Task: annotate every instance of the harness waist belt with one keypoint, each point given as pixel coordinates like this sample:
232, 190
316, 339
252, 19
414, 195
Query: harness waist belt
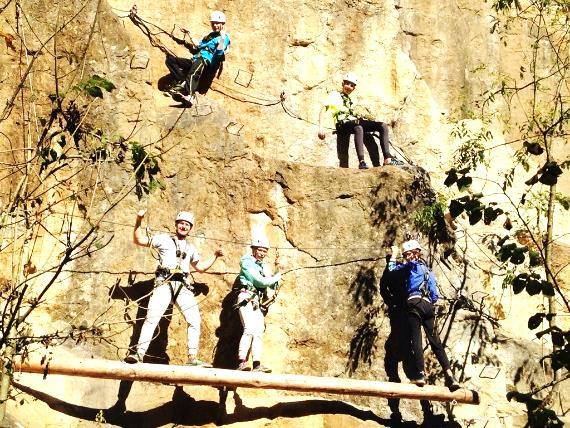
166, 274
419, 297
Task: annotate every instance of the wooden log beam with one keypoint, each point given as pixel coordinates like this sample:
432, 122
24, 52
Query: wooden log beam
185, 375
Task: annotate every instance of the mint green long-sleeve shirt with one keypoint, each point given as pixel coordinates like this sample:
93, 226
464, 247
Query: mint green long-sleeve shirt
252, 273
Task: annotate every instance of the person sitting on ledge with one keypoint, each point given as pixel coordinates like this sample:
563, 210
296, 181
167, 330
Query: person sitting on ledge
348, 122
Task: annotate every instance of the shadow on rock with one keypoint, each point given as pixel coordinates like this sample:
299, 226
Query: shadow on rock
187, 411
229, 332
140, 292
362, 345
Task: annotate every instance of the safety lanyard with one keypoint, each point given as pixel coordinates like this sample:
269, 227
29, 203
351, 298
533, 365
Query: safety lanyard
180, 255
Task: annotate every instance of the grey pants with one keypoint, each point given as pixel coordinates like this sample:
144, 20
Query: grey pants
362, 130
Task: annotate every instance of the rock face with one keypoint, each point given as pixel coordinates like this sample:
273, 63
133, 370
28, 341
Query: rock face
246, 160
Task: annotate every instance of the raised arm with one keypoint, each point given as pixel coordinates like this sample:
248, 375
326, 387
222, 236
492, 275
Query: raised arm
139, 235
202, 266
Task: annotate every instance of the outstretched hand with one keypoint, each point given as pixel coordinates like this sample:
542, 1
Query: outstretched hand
219, 253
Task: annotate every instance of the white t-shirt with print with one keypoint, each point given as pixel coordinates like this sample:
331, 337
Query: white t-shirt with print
167, 246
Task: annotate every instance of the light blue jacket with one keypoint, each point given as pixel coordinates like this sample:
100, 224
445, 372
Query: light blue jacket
208, 48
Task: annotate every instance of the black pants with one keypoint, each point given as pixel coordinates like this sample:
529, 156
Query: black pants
421, 314
178, 67
362, 130
184, 69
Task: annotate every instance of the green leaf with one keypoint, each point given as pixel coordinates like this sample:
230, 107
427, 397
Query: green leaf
533, 148
519, 283
533, 287
534, 258
475, 216
94, 91
101, 82
547, 289
490, 214
532, 180
455, 208
550, 174
535, 320
94, 85
451, 177
464, 182
557, 338
506, 251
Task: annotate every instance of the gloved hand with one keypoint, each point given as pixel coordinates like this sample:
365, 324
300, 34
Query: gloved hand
395, 251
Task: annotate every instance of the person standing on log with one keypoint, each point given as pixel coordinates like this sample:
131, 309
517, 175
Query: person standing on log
255, 278
209, 56
348, 122
421, 290
175, 256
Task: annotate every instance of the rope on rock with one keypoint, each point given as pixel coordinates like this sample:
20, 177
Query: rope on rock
143, 25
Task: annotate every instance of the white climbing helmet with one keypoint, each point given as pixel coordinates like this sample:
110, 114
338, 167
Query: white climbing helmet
217, 16
260, 242
411, 245
185, 216
350, 77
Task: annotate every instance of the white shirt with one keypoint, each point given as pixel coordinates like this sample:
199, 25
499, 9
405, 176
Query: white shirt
167, 246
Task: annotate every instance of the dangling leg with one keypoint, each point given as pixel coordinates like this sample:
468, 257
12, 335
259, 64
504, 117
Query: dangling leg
359, 145
342, 140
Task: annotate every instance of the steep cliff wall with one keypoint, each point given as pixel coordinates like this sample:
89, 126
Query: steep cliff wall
244, 160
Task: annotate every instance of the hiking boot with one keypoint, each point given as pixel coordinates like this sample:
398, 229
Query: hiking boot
195, 362
242, 366
261, 369
451, 383
179, 88
133, 358
189, 100
395, 162
420, 381
362, 165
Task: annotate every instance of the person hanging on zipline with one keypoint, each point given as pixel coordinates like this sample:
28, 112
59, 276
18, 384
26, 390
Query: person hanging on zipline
348, 122
421, 290
255, 280
175, 257
208, 58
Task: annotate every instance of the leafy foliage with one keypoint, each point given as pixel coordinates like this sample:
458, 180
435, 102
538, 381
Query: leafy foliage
95, 85
534, 98
146, 168
426, 218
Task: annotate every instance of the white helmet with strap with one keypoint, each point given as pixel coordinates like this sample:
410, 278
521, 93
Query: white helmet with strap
411, 245
217, 16
350, 77
185, 216
260, 242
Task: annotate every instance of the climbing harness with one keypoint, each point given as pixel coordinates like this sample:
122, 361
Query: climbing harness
175, 275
